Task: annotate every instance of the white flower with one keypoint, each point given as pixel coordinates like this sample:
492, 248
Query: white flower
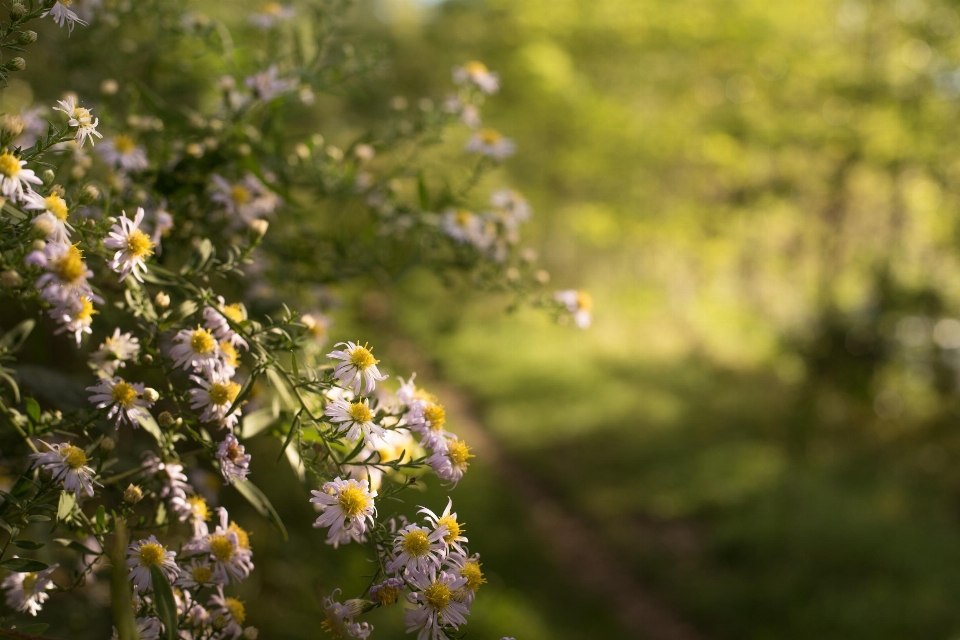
478, 74
162, 224
428, 419
246, 200
339, 620
61, 14
513, 203
67, 465
452, 463
80, 118
578, 303
417, 548
318, 326
358, 369
469, 569
75, 316
172, 476
143, 554
453, 530
34, 125
26, 592
126, 400
346, 504
232, 609
271, 13
123, 154
234, 462
66, 274
231, 560
215, 396
196, 575
193, 508
54, 215
195, 349
354, 419
387, 591
15, 181
266, 85
491, 143
114, 353
469, 113
147, 629
436, 606
133, 246
466, 227
216, 321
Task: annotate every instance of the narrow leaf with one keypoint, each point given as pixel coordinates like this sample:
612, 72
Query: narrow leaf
262, 504
163, 599
23, 565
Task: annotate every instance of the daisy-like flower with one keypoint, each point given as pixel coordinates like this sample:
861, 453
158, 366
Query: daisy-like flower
417, 548
215, 397
452, 463
61, 14
267, 85
469, 568
234, 462
346, 536
358, 369
143, 554
123, 154
216, 321
339, 620
54, 215
246, 200
469, 113
170, 473
114, 353
387, 592
513, 203
478, 74
232, 610
428, 419
132, 244
271, 13
80, 118
355, 419
491, 143
193, 508
231, 561
15, 181
26, 592
162, 224
66, 274
318, 326
453, 534
346, 504
67, 465
75, 316
147, 629
126, 400
195, 349
196, 575
466, 227
579, 304
436, 606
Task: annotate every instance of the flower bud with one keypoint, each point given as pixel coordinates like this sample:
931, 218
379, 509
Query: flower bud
108, 444
28, 37
38, 245
89, 194
147, 359
165, 419
48, 176
133, 494
11, 126
43, 226
220, 622
17, 10
354, 607
109, 87
161, 300
250, 633
16, 64
258, 228
150, 394
10, 279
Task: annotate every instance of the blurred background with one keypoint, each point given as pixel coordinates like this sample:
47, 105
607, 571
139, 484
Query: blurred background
758, 437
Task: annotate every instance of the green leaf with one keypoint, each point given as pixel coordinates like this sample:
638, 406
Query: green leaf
28, 544
120, 589
39, 517
68, 501
101, 517
163, 600
23, 485
23, 565
76, 546
294, 429
33, 409
254, 423
14, 339
261, 503
34, 629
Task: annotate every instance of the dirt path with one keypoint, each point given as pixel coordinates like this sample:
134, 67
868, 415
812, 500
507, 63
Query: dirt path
569, 536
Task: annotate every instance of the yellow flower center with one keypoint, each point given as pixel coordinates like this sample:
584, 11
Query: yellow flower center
360, 412
202, 342
490, 136
387, 595
70, 266
230, 355
352, 501
123, 144
221, 394
151, 553
201, 574
66, 3
453, 528
436, 416
9, 165
82, 116
362, 358
123, 394
139, 244
73, 457
236, 609
233, 311
56, 205
272, 8
29, 582
199, 507
239, 194
459, 453
221, 548
86, 312
243, 538
416, 543
464, 217
584, 301
475, 68
471, 571
437, 595
233, 452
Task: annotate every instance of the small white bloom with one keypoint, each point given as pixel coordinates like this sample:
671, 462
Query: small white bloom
75, 316
216, 321
513, 203
15, 181
125, 400
234, 461
54, 215
246, 200
232, 609
215, 397
417, 548
355, 419
452, 463
80, 118
267, 85
428, 419
26, 592
66, 274
318, 326
478, 74
195, 349
114, 353
196, 575
67, 465
123, 154
147, 629
453, 530
230, 559
271, 13
171, 475
193, 508
133, 246
143, 554
491, 143
358, 369
346, 504
339, 620
436, 606
62, 15
466, 227
578, 303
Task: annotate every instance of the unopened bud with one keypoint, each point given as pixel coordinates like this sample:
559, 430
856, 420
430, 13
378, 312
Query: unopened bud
355, 606
165, 419
38, 245
258, 228
43, 226
147, 359
150, 394
16, 64
108, 444
89, 194
58, 190
28, 37
250, 633
220, 622
162, 300
11, 126
17, 10
48, 176
109, 87
133, 494
10, 279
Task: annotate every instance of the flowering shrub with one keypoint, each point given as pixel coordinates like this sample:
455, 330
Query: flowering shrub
147, 228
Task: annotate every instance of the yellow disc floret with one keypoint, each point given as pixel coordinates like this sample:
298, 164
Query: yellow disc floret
352, 501
202, 342
222, 394
199, 507
239, 194
221, 547
233, 311
9, 165
362, 358
454, 528
436, 415
437, 595
201, 574
236, 609
139, 244
73, 457
471, 571
360, 412
243, 538
416, 543
490, 136
124, 394
476, 68
459, 453
70, 267
124, 144
56, 205
86, 312
151, 553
